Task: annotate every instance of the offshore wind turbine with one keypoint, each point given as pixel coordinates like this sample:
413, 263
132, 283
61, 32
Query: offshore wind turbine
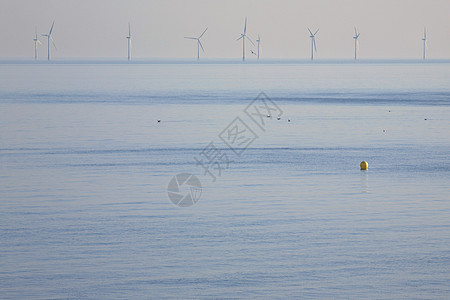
313, 42
356, 40
424, 39
36, 42
49, 37
243, 37
199, 43
129, 40
259, 42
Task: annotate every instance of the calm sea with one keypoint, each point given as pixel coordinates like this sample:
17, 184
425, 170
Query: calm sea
85, 168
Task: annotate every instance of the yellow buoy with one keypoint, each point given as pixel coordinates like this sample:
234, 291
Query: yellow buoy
364, 165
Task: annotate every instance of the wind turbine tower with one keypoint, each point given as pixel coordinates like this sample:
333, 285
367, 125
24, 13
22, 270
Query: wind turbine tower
129, 40
313, 42
259, 42
424, 39
243, 37
356, 40
36, 42
49, 38
199, 43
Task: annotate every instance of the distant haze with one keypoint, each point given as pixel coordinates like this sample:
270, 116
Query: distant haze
94, 29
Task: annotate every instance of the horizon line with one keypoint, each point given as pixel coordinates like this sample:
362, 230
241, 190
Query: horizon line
167, 60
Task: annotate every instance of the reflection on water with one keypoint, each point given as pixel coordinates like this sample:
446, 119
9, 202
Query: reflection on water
365, 181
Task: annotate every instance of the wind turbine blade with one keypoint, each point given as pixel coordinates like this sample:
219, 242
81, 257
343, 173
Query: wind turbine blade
201, 46
425, 33
39, 42
240, 37
356, 32
358, 35
203, 33
51, 29
316, 31
309, 30
191, 38
53, 42
129, 29
250, 40
314, 42
245, 26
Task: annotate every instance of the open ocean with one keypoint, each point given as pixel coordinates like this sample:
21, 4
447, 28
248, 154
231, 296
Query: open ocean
85, 168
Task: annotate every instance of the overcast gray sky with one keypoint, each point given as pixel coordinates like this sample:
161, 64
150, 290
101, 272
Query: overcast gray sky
97, 28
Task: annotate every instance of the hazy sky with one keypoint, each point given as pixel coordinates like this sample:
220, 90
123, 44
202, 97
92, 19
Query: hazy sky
97, 28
